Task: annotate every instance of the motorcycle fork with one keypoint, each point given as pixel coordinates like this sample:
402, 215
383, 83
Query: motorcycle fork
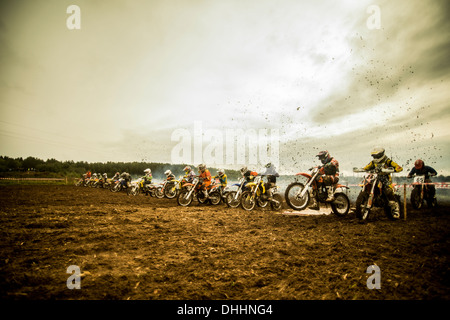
371, 195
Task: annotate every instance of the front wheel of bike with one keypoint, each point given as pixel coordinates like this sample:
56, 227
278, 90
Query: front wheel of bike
233, 200
361, 210
340, 205
293, 198
277, 202
170, 191
215, 198
416, 202
248, 202
184, 199
159, 193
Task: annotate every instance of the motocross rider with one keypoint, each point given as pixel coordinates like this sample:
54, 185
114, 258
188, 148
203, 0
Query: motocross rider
147, 178
272, 176
205, 179
222, 177
189, 174
380, 161
421, 169
328, 173
169, 175
248, 174
116, 176
126, 179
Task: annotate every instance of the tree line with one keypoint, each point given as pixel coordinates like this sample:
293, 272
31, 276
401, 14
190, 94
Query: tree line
51, 167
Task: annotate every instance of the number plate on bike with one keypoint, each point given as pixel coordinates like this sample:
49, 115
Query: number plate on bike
419, 179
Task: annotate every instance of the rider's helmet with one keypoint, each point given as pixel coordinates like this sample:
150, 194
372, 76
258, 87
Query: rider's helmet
324, 156
377, 154
244, 170
147, 171
202, 167
268, 165
94, 175
221, 172
168, 173
419, 164
187, 169
105, 175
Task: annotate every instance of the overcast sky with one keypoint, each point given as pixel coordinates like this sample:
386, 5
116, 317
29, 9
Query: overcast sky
318, 73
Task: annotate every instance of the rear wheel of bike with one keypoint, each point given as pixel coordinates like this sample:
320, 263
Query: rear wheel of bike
340, 205
215, 198
159, 193
292, 196
361, 210
248, 202
184, 199
233, 200
170, 191
416, 202
277, 202
201, 198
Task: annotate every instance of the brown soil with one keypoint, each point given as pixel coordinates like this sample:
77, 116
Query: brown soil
147, 248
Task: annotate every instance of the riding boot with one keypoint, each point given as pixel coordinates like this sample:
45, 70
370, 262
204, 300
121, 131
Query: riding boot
314, 205
206, 194
395, 209
330, 194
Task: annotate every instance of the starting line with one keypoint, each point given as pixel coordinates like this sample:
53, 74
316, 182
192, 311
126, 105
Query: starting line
307, 212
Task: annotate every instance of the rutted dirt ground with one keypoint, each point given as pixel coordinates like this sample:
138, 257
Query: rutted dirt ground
147, 248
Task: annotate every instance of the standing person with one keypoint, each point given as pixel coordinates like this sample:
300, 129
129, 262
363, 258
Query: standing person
421, 169
381, 161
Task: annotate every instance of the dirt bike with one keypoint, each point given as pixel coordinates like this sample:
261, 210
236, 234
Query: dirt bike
257, 195
119, 185
192, 190
161, 188
173, 187
298, 195
82, 182
372, 195
233, 198
421, 192
136, 187
215, 192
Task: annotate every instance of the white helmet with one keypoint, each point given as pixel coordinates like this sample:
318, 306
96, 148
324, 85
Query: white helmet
243, 170
187, 168
105, 175
147, 171
202, 167
378, 154
168, 172
221, 171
